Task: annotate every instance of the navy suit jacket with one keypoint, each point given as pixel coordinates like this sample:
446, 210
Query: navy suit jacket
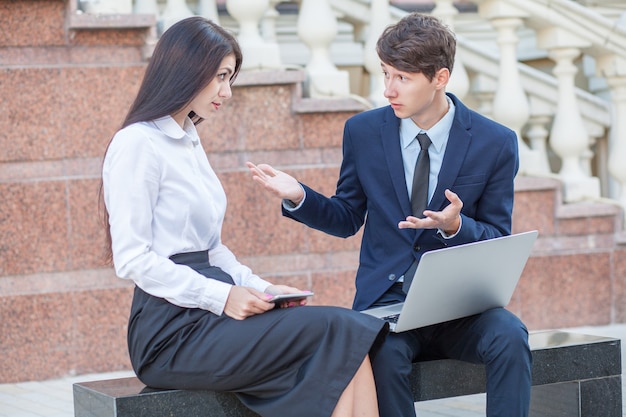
480, 164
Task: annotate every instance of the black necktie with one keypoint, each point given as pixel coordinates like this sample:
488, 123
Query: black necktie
419, 195
419, 190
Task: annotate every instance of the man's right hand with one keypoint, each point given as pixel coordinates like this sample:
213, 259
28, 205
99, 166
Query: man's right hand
277, 182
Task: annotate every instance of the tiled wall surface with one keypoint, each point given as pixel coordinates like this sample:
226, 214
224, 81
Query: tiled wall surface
63, 93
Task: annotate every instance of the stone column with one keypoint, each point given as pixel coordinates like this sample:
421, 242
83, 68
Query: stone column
146, 7
613, 68
569, 138
510, 106
483, 90
379, 20
175, 10
459, 80
106, 6
257, 53
537, 135
208, 9
317, 28
268, 23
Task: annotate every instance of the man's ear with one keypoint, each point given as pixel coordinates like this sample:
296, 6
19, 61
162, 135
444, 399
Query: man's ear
442, 76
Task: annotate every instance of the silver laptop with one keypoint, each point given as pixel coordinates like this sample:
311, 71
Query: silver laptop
460, 281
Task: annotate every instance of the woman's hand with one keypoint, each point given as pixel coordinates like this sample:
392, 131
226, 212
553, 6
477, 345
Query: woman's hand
244, 302
285, 289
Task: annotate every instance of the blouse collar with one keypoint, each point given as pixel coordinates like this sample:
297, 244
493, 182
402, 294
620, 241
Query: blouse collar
172, 129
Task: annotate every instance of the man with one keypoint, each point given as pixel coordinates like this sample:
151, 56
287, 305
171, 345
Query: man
471, 165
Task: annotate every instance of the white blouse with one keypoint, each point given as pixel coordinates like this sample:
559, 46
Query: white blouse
164, 198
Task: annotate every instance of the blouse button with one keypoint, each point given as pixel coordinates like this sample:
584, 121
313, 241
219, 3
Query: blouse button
392, 277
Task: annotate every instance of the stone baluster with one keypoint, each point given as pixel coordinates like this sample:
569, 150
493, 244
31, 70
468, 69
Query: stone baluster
459, 80
268, 23
510, 105
613, 68
537, 135
483, 90
146, 7
208, 9
258, 53
107, 7
175, 10
379, 20
317, 28
568, 138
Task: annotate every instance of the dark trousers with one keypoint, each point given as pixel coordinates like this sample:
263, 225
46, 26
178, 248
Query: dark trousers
495, 338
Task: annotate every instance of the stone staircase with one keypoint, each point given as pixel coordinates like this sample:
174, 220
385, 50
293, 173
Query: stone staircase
64, 312
577, 270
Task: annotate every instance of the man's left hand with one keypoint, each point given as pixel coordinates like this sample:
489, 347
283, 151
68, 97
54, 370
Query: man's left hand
448, 220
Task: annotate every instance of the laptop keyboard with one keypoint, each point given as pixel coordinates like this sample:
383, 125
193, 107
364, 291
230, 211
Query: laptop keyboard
393, 318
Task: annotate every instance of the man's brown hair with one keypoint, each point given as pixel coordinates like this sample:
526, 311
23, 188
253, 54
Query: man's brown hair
418, 43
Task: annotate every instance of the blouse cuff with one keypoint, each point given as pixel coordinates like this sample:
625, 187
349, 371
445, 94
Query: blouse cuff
215, 296
257, 283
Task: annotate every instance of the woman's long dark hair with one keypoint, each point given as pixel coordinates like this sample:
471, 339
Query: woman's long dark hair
185, 60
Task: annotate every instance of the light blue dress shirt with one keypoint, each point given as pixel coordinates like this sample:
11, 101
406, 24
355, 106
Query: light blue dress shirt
438, 135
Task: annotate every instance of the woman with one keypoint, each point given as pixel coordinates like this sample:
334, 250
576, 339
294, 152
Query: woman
200, 319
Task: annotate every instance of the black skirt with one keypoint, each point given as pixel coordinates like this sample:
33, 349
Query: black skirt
292, 361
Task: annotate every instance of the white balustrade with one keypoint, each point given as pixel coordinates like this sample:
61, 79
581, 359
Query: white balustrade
537, 135
268, 23
614, 69
146, 7
568, 138
510, 106
379, 20
258, 53
482, 90
459, 80
498, 93
208, 9
106, 6
175, 10
317, 28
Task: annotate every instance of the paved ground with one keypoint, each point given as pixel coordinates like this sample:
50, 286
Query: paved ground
53, 398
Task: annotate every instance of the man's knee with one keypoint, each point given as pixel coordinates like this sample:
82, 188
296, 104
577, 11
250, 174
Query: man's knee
395, 355
507, 336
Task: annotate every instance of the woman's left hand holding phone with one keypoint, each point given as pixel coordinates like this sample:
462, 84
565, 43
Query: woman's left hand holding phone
244, 302
285, 290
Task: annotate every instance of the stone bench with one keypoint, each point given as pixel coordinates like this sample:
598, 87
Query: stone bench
573, 375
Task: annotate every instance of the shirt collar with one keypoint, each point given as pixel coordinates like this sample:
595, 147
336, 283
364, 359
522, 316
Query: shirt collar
172, 129
438, 134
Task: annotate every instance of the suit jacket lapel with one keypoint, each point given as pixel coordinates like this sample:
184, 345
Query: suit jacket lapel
390, 136
458, 145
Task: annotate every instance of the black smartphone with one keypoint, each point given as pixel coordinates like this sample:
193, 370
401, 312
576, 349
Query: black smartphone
290, 297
